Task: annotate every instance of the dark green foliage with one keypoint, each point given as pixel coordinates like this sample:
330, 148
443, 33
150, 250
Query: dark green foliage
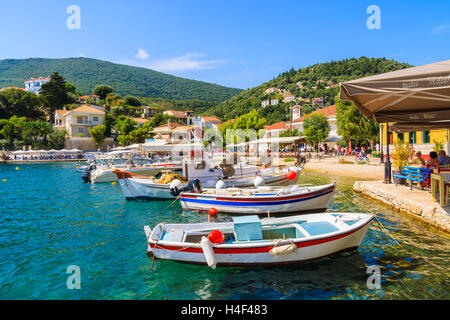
20, 103
102, 91
333, 72
55, 94
87, 73
132, 101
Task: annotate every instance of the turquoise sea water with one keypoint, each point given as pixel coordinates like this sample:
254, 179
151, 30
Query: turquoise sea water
50, 220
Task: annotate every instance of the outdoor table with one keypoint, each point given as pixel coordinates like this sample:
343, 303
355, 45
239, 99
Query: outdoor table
443, 177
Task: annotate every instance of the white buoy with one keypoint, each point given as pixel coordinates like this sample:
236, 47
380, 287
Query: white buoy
208, 252
258, 182
220, 185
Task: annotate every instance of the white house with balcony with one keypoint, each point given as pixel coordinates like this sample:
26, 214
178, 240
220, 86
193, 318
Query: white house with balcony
34, 85
79, 120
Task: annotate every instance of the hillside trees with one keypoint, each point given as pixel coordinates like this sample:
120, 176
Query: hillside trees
315, 128
353, 125
20, 103
55, 94
102, 91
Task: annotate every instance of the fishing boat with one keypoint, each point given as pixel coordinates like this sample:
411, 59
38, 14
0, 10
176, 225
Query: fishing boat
106, 174
275, 200
251, 241
139, 187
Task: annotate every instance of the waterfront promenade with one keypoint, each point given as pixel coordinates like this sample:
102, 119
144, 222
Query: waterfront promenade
416, 203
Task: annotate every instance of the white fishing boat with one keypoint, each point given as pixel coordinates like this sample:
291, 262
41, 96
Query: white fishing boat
249, 241
138, 187
262, 200
106, 174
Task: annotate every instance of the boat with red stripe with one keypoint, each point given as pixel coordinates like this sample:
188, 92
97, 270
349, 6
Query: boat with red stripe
262, 200
250, 241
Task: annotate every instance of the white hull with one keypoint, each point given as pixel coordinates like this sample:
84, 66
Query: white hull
308, 248
101, 175
146, 189
307, 199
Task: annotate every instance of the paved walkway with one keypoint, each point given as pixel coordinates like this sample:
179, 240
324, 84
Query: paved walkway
415, 202
370, 171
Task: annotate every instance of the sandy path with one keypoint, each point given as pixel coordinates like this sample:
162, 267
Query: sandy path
373, 171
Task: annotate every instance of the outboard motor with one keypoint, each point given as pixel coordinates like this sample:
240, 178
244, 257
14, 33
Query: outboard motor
193, 186
86, 174
301, 160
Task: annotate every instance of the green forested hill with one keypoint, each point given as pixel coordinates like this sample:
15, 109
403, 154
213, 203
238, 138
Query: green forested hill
320, 80
86, 73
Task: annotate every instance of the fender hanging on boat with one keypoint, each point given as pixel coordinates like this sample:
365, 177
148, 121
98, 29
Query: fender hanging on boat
286, 249
208, 252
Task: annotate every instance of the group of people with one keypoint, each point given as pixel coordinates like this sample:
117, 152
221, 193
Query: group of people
436, 159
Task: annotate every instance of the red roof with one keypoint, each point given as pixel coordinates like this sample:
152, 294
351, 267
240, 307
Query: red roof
178, 113
276, 126
172, 126
329, 112
210, 119
89, 96
37, 79
7, 88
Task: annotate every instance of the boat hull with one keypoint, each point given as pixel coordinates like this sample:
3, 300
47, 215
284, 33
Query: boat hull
109, 176
145, 189
140, 189
259, 255
308, 202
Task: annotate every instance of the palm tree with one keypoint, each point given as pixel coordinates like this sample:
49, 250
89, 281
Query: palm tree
45, 130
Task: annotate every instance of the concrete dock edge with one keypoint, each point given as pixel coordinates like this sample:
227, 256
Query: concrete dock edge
414, 202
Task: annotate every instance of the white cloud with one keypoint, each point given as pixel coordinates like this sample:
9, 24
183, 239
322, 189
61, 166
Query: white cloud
190, 61
142, 54
441, 29
81, 54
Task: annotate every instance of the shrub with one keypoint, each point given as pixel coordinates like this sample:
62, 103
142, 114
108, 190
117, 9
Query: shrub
401, 154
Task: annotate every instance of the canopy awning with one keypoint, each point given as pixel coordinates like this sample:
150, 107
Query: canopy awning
172, 147
410, 95
420, 126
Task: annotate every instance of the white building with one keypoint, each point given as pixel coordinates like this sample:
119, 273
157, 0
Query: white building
34, 85
289, 98
79, 120
270, 90
274, 102
265, 103
296, 112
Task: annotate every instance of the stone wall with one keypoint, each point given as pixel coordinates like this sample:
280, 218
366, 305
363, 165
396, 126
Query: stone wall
87, 144
415, 202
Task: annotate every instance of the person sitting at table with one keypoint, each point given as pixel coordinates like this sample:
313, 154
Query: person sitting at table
443, 158
434, 161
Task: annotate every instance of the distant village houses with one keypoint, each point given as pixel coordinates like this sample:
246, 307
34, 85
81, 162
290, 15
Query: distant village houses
34, 84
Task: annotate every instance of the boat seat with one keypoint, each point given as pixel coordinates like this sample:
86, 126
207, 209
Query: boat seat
318, 227
247, 228
175, 235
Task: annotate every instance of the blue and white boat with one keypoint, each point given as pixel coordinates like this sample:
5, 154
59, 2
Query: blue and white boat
262, 200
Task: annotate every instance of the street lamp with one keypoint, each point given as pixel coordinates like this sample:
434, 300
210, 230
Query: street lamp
387, 164
381, 144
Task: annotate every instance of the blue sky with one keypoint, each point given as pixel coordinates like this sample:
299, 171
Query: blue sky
234, 43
